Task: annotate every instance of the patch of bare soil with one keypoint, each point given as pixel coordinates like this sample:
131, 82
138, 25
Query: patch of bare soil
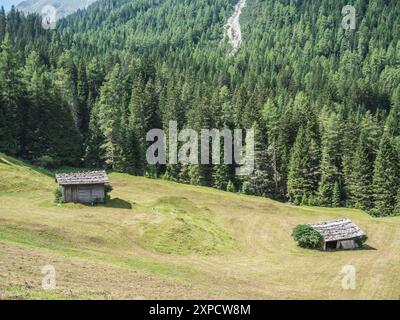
233, 29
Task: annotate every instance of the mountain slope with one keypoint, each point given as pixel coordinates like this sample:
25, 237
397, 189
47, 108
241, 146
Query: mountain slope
63, 7
324, 101
179, 242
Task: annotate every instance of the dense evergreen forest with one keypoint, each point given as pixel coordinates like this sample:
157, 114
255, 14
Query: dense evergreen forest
324, 102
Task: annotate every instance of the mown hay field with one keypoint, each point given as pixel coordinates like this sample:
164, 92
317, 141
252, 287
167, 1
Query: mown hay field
162, 240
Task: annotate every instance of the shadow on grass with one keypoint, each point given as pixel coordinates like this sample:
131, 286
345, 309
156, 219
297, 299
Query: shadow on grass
118, 203
367, 247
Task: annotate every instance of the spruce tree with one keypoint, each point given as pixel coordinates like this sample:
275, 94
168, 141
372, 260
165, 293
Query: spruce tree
109, 112
393, 120
303, 168
351, 134
10, 93
260, 181
331, 159
271, 116
139, 123
94, 155
222, 173
386, 176
363, 162
201, 118
2, 24
336, 195
396, 210
362, 189
170, 107
38, 108
82, 91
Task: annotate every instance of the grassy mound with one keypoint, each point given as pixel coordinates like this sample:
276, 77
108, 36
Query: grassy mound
185, 228
17, 176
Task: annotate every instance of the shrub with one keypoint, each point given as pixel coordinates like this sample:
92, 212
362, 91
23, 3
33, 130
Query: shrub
305, 200
313, 201
108, 188
307, 237
374, 212
297, 200
47, 162
246, 188
230, 187
166, 176
151, 172
360, 241
150, 175
58, 198
97, 201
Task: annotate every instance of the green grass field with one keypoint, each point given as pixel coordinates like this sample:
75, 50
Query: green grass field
161, 240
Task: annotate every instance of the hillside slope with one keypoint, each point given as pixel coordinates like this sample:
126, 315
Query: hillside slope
157, 239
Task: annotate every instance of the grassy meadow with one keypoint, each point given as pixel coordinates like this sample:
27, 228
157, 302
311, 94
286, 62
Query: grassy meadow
162, 240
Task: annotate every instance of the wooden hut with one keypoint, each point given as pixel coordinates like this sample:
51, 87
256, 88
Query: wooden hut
83, 187
339, 234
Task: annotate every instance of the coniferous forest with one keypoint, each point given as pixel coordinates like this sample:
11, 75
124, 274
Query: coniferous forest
324, 102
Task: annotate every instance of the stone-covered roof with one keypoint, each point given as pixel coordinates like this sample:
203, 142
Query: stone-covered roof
76, 178
336, 230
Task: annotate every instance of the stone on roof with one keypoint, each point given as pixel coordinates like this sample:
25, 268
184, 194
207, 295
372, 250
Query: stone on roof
338, 230
76, 178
